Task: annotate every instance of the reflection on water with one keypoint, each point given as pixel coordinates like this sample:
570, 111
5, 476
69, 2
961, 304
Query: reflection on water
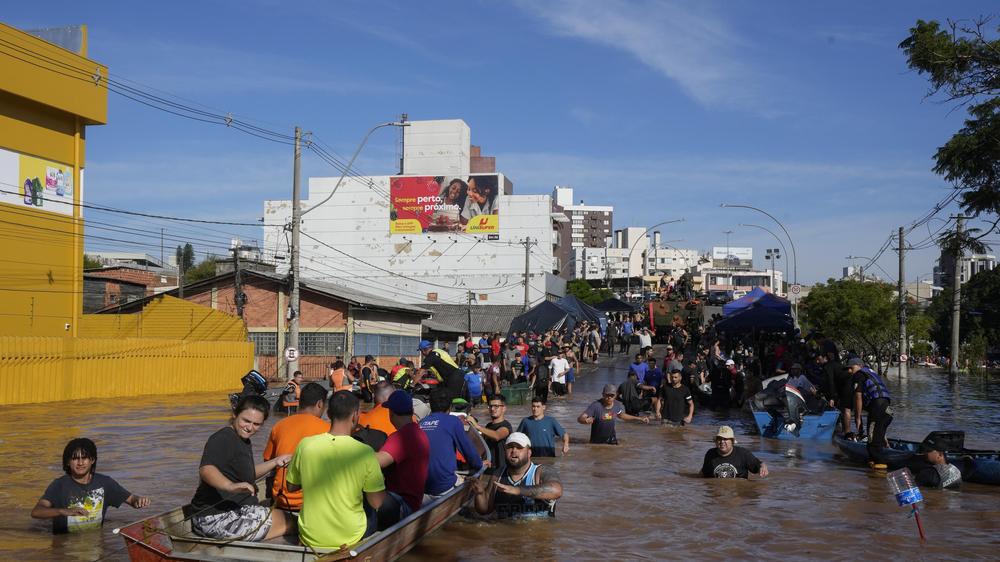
641, 500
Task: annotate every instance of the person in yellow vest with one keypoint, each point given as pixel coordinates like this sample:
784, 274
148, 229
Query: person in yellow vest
442, 366
340, 379
294, 385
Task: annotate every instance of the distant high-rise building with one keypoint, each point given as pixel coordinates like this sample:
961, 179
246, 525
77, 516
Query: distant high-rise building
589, 226
970, 266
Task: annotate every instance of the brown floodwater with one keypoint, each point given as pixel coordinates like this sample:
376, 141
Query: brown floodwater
640, 500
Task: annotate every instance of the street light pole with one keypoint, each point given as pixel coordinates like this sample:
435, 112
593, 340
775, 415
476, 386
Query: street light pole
295, 227
780, 243
795, 259
628, 258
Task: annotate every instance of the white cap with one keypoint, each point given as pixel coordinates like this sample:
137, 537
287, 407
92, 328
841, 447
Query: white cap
518, 438
730, 362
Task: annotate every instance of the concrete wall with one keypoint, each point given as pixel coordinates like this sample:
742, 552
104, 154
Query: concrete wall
437, 148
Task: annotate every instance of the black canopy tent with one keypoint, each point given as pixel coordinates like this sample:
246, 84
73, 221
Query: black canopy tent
543, 317
614, 305
757, 318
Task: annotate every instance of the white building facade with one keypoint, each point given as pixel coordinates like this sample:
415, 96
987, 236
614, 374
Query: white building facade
360, 238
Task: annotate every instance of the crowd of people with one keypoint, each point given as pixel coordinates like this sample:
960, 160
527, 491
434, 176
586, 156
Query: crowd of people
337, 480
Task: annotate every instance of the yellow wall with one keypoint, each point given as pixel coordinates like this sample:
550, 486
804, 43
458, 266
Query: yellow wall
166, 317
48, 95
39, 369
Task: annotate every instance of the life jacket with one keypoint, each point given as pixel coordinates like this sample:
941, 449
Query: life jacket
339, 381
873, 387
401, 374
444, 357
508, 505
285, 402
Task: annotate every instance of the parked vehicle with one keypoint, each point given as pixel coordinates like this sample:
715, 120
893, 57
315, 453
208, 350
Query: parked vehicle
719, 298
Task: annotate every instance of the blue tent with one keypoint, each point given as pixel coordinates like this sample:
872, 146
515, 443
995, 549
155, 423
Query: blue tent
757, 317
758, 297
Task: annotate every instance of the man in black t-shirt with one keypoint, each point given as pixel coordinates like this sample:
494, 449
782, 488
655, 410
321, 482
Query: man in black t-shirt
495, 432
676, 405
726, 460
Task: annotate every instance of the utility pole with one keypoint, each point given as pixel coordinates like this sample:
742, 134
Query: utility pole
956, 300
402, 142
293, 304
161, 247
240, 298
468, 311
902, 306
528, 243
180, 277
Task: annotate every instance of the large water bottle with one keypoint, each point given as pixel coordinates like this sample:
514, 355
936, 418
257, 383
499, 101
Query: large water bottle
904, 487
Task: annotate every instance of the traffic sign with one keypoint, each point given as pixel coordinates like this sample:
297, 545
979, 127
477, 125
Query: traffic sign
795, 289
291, 354
903, 358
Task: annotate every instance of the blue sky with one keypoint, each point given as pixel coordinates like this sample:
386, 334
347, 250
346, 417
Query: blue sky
662, 109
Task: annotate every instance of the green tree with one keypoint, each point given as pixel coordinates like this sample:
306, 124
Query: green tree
582, 290
859, 315
980, 311
90, 262
203, 270
963, 66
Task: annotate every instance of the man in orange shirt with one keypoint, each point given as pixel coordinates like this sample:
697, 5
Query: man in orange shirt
285, 437
378, 416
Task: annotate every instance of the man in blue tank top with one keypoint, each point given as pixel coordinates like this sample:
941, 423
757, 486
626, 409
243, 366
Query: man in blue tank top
522, 488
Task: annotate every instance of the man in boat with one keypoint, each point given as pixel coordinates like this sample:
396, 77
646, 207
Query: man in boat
601, 414
335, 473
726, 460
931, 469
522, 488
800, 396
378, 416
543, 430
79, 500
447, 436
872, 395
405, 458
286, 435
443, 367
676, 402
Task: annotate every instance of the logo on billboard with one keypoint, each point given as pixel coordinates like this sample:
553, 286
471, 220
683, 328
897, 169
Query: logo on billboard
424, 204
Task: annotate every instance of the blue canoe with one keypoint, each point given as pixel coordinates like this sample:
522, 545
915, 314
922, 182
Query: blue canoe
981, 467
814, 427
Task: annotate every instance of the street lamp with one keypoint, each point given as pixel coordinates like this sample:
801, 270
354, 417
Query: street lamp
795, 260
782, 244
628, 258
772, 254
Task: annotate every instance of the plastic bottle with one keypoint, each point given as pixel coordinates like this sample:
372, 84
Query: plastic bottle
904, 487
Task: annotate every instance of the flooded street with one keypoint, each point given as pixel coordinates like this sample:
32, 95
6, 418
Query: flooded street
641, 500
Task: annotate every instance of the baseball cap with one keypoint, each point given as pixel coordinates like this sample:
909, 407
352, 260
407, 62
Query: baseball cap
424, 344
726, 432
728, 363
855, 362
400, 403
518, 438
932, 445
610, 389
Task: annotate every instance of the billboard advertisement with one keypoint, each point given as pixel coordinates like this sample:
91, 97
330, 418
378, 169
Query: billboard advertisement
36, 183
426, 204
732, 257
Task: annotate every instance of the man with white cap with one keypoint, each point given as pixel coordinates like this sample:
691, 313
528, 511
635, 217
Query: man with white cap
722, 385
523, 488
601, 414
726, 460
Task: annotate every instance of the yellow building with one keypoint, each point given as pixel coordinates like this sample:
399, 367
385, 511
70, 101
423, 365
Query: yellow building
49, 95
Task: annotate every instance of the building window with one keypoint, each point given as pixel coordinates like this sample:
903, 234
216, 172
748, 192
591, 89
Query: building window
264, 343
321, 343
385, 345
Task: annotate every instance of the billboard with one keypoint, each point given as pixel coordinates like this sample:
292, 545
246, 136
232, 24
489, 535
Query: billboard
426, 204
732, 257
27, 181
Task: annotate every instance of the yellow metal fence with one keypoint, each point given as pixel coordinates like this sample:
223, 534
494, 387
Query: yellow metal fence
47, 369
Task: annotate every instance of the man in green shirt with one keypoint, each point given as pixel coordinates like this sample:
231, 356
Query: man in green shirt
334, 470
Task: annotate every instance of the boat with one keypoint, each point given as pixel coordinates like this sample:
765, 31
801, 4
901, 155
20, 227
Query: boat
978, 466
168, 536
814, 426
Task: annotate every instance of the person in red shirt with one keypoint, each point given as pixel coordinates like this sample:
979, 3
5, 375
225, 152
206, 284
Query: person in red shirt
407, 455
285, 437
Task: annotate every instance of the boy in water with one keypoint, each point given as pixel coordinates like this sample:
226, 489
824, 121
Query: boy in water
79, 500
